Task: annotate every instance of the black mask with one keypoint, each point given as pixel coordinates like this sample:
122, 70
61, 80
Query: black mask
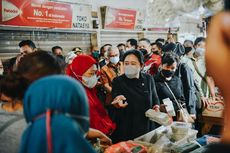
144, 51
156, 52
167, 73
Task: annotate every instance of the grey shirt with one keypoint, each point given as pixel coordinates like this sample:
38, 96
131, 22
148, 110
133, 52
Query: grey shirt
12, 126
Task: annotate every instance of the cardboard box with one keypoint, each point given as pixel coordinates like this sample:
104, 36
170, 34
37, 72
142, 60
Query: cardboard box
214, 109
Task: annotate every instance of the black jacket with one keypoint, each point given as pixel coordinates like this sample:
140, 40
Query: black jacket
163, 92
141, 95
189, 89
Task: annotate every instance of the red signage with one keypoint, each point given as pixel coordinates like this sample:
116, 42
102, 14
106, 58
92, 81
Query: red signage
35, 13
120, 18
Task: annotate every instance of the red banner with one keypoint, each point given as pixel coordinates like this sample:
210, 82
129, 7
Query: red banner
35, 13
120, 19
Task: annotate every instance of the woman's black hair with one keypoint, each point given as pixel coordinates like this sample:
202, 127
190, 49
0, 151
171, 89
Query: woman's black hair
188, 41
136, 53
13, 86
169, 58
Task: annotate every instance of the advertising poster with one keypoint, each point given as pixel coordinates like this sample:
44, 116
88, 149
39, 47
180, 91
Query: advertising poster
35, 13
120, 18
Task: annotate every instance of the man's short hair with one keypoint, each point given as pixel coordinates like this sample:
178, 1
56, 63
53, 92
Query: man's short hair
161, 40
121, 44
146, 40
158, 44
110, 49
136, 53
198, 40
169, 58
56, 47
133, 42
30, 43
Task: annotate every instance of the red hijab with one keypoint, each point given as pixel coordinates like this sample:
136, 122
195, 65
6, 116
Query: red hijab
79, 66
99, 118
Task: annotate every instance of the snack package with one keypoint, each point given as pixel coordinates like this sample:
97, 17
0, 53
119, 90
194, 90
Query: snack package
169, 107
159, 117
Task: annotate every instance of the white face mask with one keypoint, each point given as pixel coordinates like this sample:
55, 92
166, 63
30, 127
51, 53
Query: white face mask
127, 48
90, 82
114, 60
132, 71
200, 51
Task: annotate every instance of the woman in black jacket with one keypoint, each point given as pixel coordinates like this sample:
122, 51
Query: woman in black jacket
134, 93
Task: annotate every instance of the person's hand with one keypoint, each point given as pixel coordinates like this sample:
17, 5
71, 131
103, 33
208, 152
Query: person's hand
163, 108
156, 108
217, 61
118, 102
204, 101
170, 39
218, 52
93, 133
211, 140
193, 116
219, 98
18, 59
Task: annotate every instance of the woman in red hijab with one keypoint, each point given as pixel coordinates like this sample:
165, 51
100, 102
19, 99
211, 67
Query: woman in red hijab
84, 69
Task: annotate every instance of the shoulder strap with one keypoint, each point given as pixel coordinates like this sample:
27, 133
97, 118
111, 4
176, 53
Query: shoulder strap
198, 72
10, 122
179, 70
178, 104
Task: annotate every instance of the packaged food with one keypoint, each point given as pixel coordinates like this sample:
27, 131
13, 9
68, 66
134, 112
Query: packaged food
159, 117
126, 147
169, 107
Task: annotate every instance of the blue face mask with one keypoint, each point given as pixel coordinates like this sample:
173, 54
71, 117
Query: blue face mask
114, 60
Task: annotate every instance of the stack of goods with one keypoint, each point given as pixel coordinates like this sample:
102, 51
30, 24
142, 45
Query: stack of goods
158, 117
165, 138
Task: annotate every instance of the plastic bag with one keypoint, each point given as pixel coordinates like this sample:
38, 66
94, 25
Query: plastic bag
159, 117
126, 147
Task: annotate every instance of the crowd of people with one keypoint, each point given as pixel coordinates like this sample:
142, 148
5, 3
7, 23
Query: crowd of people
51, 102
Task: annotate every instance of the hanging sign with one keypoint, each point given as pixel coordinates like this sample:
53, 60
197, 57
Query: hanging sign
119, 18
82, 17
